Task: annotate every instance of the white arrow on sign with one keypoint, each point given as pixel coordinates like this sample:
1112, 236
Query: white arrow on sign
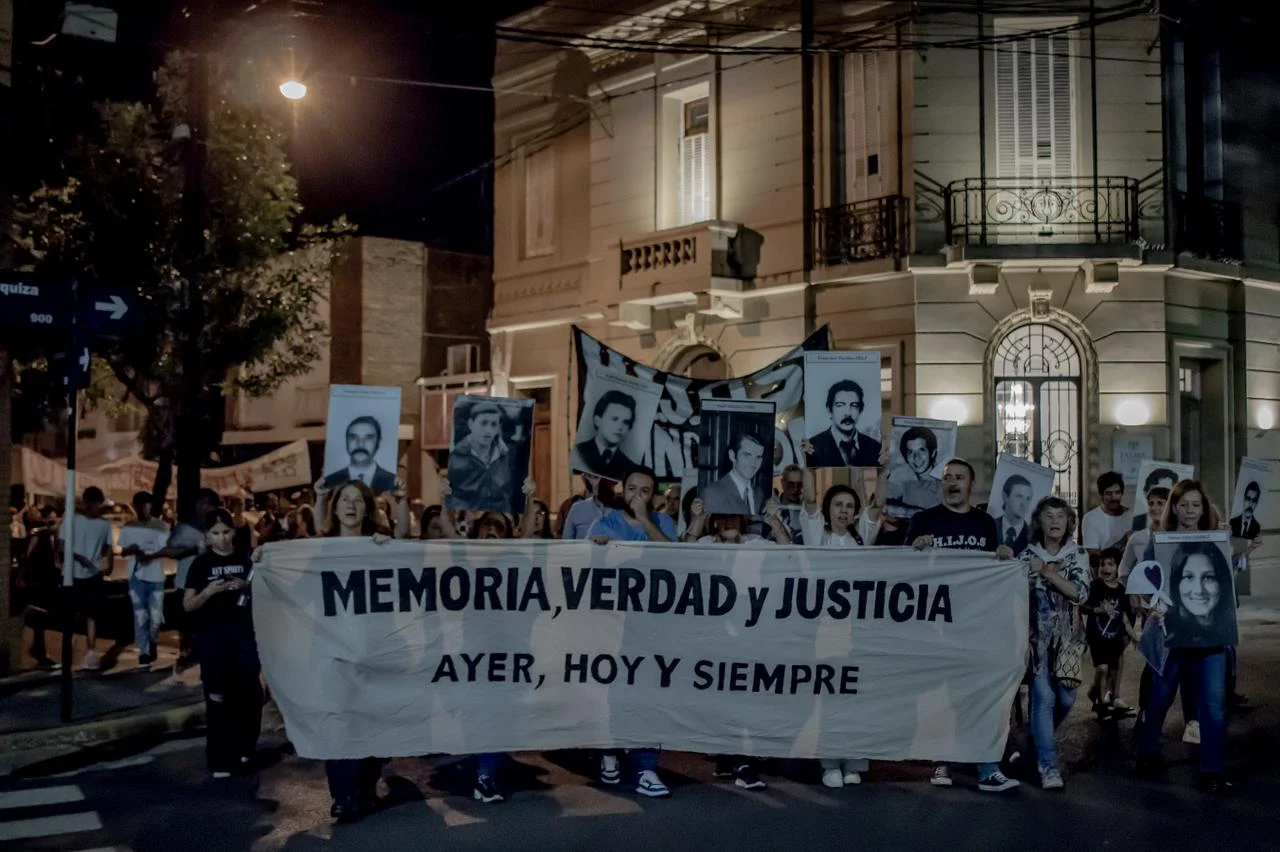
84, 360
116, 307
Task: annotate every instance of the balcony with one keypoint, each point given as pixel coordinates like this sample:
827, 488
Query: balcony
669, 264
1099, 211
864, 230
1208, 228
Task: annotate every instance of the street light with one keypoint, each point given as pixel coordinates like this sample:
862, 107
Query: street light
293, 90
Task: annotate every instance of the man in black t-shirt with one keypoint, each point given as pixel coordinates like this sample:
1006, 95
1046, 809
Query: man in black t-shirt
956, 525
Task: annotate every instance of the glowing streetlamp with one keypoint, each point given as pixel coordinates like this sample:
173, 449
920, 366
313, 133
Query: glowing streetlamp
293, 90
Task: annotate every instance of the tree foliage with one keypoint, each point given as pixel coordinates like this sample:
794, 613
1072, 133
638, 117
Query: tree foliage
117, 215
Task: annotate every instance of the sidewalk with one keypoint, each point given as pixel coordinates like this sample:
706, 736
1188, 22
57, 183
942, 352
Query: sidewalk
119, 702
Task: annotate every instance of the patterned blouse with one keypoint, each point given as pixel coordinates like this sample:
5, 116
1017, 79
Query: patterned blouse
1051, 612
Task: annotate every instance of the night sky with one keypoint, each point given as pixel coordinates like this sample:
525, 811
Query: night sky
376, 152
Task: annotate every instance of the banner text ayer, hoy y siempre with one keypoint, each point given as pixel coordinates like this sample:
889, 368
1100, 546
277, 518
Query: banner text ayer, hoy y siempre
655, 590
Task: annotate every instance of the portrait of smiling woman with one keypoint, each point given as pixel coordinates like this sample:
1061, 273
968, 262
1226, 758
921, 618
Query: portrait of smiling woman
1203, 613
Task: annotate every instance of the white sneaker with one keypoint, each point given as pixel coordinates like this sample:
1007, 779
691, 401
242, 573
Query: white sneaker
220, 774
609, 771
1051, 779
853, 778
1191, 734
941, 776
649, 784
832, 778
91, 662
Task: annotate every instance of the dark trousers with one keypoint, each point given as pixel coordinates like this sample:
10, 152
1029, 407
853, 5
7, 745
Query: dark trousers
1190, 702
229, 669
353, 781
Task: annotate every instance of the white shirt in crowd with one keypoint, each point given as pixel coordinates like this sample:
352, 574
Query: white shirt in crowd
90, 538
1101, 530
816, 534
1134, 551
151, 536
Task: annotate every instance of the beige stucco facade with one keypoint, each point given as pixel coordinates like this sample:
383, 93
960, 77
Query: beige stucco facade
938, 304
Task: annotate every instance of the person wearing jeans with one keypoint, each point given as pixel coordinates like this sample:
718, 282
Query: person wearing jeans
146, 578
1207, 668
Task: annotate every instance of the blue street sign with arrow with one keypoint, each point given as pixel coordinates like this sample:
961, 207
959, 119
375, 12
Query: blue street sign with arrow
30, 302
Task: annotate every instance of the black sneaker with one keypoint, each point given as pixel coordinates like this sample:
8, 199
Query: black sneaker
347, 811
1216, 784
46, 665
724, 769
486, 790
748, 779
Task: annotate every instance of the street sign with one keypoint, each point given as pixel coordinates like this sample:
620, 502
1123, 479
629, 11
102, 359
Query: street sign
30, 303
108, 312
75, 370
33, 303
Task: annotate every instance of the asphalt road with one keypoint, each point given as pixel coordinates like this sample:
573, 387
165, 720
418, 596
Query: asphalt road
160, 798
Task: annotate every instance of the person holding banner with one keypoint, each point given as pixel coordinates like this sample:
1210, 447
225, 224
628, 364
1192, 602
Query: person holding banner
1059, 571
217, 603
631, 520
834, 526
353, 784
956, 524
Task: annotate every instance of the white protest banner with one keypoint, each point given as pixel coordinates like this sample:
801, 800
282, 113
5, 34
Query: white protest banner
396, 650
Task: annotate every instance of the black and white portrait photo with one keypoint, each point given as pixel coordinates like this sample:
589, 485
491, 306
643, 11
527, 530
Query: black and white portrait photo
1158, 474
918, 450
489, 457
1018, 486
1257, 477
735, 456
1202, 608
361, 436
616, 424
842, 408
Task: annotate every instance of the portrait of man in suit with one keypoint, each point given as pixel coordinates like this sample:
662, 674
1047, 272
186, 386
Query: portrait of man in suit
1245, 524
843, 445
364, 437
612, 419
1013, 527
739, 492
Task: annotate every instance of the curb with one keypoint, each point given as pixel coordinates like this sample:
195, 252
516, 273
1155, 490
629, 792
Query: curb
173, 720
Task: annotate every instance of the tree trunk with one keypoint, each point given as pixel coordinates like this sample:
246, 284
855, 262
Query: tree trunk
10, 622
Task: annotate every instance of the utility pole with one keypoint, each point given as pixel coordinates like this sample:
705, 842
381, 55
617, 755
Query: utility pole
195, 200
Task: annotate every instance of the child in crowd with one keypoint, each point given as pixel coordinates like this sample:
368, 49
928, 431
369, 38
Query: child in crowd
217, 598
1110, 622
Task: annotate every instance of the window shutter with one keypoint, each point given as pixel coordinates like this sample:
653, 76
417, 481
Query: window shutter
1034, 113
695, 178
539, 202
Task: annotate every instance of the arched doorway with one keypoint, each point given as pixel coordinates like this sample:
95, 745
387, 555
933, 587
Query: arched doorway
701, 362
1038, 388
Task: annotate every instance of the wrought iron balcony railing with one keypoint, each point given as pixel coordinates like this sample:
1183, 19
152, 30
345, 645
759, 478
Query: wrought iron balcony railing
1101, 210
863, 230
1208, 228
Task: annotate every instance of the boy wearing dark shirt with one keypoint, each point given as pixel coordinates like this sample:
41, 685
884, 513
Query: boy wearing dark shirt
1110, 620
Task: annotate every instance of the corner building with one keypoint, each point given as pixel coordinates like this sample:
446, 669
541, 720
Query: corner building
1041, 223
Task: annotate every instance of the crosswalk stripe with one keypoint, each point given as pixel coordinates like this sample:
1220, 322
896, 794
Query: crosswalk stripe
47, 826
40, 796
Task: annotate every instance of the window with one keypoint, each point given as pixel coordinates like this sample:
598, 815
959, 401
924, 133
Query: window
695, 162
1035, 133
862, 127
540, 202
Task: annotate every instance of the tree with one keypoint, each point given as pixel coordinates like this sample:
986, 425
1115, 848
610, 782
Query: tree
117, 215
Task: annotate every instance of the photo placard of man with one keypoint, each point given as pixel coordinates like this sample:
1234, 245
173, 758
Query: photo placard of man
740, 491
489, 461
1017, 488
361, 437
615, 424
612, 419
364, 439
1245, 524
842, 409
842, 445
913, 481
1158, 474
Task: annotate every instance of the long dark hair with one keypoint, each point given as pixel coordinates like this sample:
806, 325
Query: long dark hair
1187, 625
369, 526
1037, 531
